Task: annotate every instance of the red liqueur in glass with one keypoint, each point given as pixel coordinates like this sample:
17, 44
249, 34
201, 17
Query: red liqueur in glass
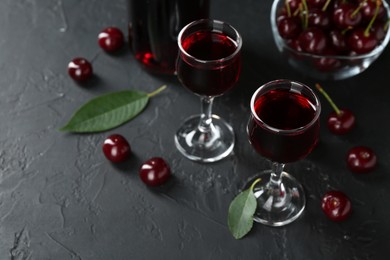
282, 110
219, 72
283, 127
208, 65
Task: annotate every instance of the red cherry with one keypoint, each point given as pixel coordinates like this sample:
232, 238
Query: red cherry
294, 44
337, 3
116, 148
313, 40
362, 41
80, 69
111, 39
345, 16
155, 171
327, 63
336, 205
289, 27
369, 8
319, 18
379, 30
341, 123
361, 159
315, 3
338, 41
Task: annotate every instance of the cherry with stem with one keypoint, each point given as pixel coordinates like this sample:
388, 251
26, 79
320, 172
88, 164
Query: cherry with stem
340, 121
347, 15
364, 40
369, 8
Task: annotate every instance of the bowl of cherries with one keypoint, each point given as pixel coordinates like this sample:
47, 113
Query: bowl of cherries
331, 39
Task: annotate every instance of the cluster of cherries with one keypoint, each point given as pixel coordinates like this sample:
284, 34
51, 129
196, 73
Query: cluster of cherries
116, 148
332, 27
110, 40
360, 159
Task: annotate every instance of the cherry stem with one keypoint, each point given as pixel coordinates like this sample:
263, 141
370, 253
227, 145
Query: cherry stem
387, 24
343, 32
157, 91
326, 5
358, 8
299, 9
288, 8
305, 14
335, 108
367, 31
254, 183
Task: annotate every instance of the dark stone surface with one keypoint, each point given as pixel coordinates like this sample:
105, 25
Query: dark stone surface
61, 199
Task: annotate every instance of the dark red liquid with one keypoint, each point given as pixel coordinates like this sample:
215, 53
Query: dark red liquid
284, 110
214, 79
154, 26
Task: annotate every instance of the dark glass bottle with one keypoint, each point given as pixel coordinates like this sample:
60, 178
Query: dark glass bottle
154, 26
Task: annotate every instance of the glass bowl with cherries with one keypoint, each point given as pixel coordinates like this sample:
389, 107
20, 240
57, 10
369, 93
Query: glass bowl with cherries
331, 39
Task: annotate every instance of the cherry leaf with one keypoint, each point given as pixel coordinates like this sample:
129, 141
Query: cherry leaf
241, 210
108, 111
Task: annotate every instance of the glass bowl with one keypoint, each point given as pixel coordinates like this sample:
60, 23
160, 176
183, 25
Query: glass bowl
336, 67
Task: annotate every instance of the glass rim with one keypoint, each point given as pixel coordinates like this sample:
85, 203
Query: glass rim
284, 82
238, 41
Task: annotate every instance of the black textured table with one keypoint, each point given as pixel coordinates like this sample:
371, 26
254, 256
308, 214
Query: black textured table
61, 199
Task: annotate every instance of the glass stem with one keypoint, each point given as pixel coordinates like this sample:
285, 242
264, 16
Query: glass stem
205, 123
277, 169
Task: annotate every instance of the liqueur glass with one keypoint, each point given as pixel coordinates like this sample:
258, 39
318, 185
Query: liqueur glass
283, 127
208, 64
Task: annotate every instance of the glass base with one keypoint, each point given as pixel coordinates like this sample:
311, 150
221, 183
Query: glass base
205, 146
277, 207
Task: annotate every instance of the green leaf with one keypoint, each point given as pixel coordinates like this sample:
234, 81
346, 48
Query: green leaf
241, 210
107, 111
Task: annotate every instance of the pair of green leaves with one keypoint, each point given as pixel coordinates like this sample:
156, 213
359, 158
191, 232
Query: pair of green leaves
109, 111
241, 210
